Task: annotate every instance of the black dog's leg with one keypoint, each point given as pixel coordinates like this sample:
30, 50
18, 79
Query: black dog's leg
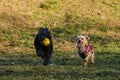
47, 59
40, 53
48, 54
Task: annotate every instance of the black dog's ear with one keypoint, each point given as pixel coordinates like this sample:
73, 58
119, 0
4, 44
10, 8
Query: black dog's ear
46, 28
40, 30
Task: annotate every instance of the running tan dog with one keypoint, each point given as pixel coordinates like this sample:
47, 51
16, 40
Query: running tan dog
85, 50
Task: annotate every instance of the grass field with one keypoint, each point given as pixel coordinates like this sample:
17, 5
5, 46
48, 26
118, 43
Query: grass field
20, 21
67, 66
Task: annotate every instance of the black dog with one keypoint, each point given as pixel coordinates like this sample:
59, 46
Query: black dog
43, 51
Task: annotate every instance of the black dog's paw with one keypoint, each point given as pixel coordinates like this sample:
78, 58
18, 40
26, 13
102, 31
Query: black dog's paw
45, 64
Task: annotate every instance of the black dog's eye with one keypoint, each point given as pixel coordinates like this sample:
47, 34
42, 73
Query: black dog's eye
44, 33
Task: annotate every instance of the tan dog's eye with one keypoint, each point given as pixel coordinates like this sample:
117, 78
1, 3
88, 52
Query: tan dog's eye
81, 38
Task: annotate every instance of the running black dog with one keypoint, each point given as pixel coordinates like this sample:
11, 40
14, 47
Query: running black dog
43, 45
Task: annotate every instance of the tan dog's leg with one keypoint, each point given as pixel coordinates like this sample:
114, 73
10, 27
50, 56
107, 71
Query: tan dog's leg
85, 61
88, 57
92, 58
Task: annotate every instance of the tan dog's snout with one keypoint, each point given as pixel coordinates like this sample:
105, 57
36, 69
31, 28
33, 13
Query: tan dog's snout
81, 39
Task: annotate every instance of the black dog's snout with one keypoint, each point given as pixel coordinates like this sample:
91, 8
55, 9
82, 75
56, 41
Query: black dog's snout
79, 41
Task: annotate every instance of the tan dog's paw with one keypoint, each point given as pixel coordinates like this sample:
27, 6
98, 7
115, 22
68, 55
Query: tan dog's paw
84, 62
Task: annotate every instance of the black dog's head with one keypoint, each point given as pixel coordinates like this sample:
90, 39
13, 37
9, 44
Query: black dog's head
43, 33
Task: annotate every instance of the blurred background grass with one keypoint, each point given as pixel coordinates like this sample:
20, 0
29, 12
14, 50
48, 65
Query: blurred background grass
20, 21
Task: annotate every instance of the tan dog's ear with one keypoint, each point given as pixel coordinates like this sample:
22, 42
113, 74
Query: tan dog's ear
87, 37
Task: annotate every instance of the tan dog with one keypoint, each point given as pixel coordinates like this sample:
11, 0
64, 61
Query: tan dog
85, 50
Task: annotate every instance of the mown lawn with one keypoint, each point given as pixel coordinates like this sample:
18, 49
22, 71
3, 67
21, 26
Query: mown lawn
66, 66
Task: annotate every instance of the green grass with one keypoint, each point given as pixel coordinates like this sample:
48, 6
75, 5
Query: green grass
20, 21
22, 66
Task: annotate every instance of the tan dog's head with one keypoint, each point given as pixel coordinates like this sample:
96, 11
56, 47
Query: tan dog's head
82, 40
